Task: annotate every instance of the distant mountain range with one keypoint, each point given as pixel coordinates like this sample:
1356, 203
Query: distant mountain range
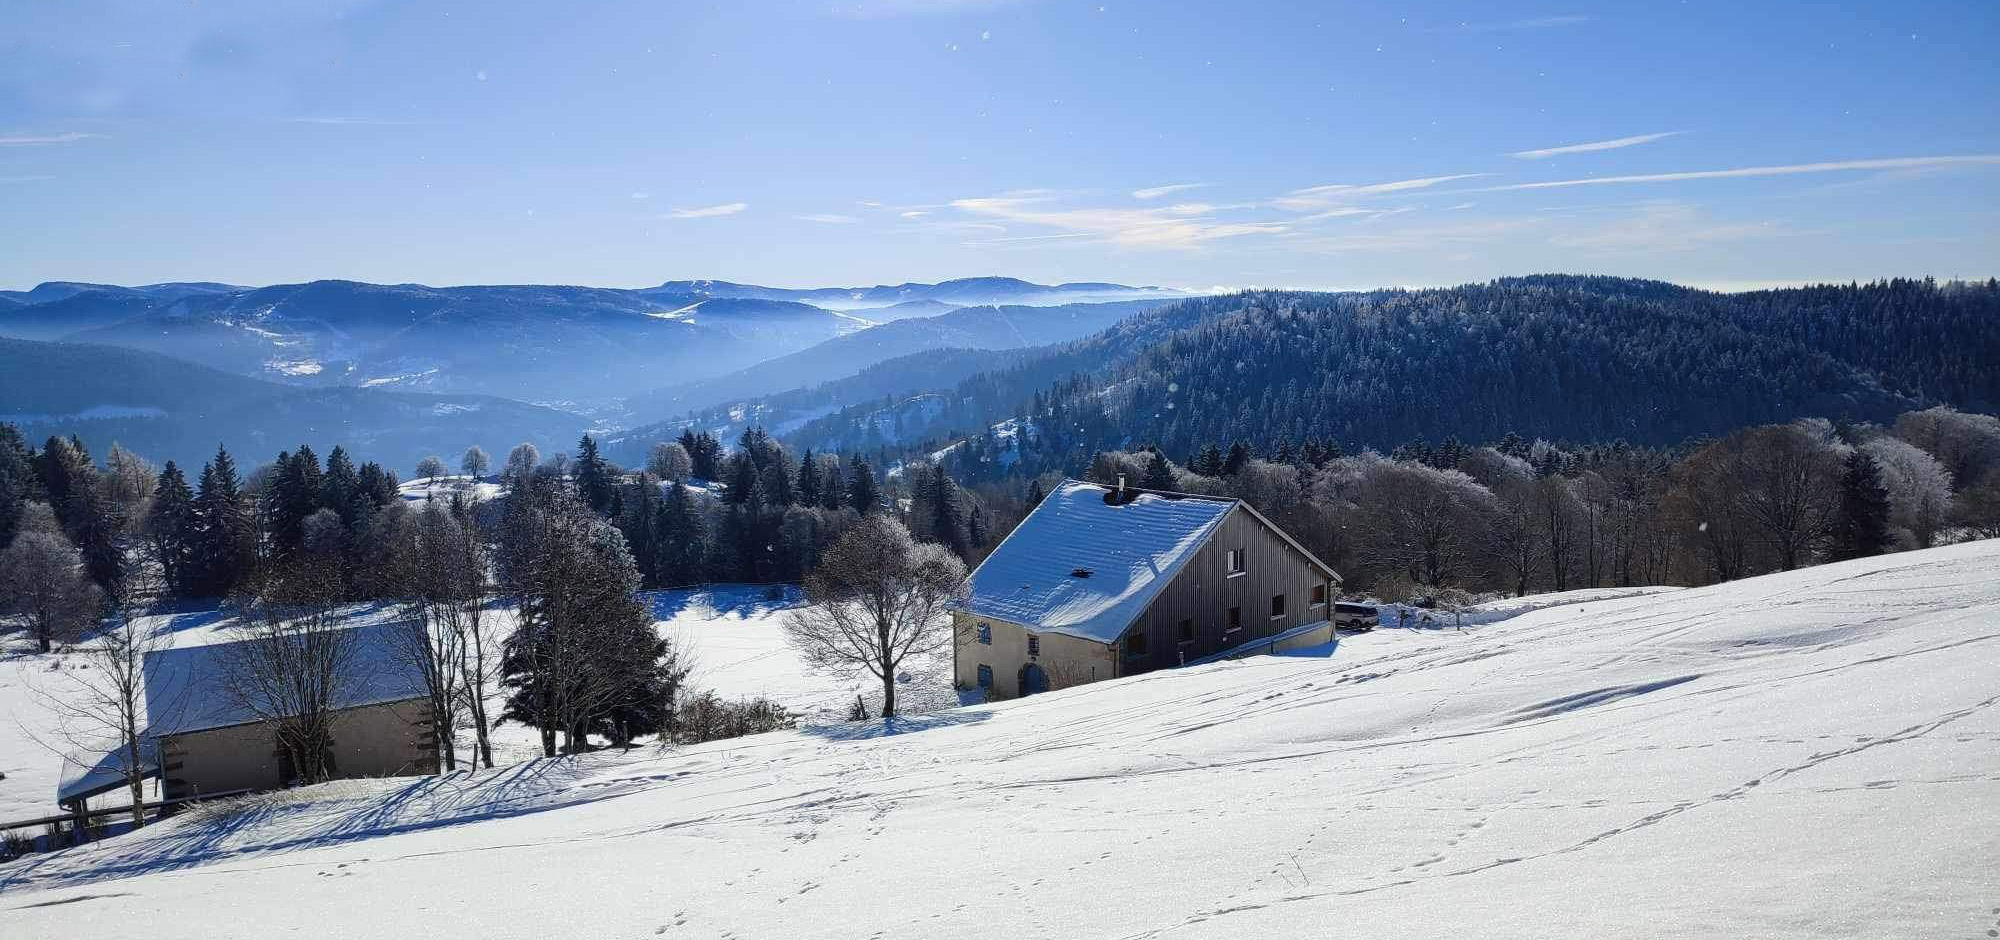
1556, 356
992, 328
577, 347
890, 300
168, 409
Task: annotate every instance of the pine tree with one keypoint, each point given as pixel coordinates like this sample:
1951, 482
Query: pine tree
808, 480
170, 524
593, 477
1159, 476
861, 491
225, 542
832, 488
1239, 454
947, 507
1862, 527
72, 485
1035, 494
681, 554
340, 487
17, 481
375, 488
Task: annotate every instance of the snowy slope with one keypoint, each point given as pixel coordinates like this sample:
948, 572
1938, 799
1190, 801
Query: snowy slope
1814, 754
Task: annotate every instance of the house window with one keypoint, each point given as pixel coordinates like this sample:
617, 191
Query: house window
1034, 646
1277, 606
986, 634
1235, 562
1135, 644
1319, 595
1186, 631
985, 676
1235, 620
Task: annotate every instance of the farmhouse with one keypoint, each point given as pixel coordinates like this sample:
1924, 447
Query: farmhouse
207, 734
1099, 582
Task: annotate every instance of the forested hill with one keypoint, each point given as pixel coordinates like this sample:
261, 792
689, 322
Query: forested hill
1562, 357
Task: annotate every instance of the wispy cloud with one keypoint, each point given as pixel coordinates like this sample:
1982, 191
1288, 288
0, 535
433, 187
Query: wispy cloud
25, 179
35, 140
1836, 166
1149, 228
1322, 197
827, 218
1593, 146
1155, 192
709, 212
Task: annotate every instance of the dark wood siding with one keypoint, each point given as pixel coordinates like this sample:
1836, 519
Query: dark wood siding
1203, 592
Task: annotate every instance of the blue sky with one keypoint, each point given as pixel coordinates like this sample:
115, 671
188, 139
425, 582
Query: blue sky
812, 143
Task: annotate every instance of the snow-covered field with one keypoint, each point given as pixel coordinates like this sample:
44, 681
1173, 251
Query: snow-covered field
733, 632
1813, 754
736, 635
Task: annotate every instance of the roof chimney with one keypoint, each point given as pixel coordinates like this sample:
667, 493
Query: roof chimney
1121, 484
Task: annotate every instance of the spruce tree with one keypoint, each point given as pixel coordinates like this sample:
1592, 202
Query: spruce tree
1239, 454
808, 480
1035, 494
593, 477
1159, 476
861, 491
170, 525
225, 532
340, 487
1862, 527
832, 487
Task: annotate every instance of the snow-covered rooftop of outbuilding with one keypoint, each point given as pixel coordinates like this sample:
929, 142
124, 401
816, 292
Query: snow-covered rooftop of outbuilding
93, 770
188, 688
1131, 550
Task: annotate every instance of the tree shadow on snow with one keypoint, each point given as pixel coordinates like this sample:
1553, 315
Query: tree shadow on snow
898, 725
287, 820
742, 601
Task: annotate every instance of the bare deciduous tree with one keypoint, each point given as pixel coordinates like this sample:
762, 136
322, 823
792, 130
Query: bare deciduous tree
669, 461
293, 662
877, 599
475, 462
431, 467
44, 582
103, 712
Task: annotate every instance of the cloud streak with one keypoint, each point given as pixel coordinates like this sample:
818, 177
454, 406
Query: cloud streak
709, 212
827, 218
1132, 228
1592, 147
36, 140
1747, 172
1314, 198
1155, 192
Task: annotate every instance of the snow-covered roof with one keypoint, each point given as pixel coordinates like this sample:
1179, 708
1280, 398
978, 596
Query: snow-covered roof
1131, 551
188, 687
91, 771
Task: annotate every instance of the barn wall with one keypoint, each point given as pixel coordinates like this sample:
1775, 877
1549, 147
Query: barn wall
387, 740
1203, 592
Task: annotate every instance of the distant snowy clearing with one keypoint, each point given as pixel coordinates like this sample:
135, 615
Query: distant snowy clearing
1809, 754
736, 635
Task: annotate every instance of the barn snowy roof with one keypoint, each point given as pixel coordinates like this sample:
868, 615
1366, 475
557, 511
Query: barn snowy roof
1131, 550
188, 688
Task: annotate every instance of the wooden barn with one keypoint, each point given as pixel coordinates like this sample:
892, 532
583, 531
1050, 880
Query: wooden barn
1099, 582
